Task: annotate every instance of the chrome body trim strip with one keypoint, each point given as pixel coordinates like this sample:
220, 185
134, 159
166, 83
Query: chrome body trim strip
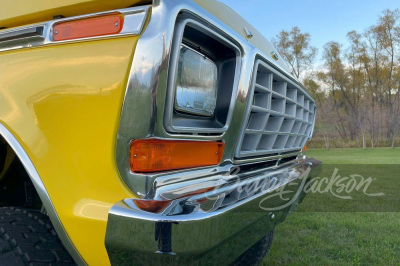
40, 34
214, 228
267, 158
30, 32
144, 107
23, 37
224, 183
196, 178
42, 192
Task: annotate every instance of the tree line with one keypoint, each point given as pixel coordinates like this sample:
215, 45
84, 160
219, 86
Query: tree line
357, 90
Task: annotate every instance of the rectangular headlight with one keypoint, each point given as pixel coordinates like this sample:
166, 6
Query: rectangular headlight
196, 83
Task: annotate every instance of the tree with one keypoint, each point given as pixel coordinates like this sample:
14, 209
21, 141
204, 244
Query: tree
335, 79
357, 90
295, 47
388, 35
325, 109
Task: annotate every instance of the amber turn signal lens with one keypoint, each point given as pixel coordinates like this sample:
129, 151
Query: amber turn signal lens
154, 206
89, 27
304, 148
155, 155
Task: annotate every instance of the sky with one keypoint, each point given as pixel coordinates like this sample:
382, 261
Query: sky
325, 20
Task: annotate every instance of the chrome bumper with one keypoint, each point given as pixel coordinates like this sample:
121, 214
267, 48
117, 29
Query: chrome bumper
217, 235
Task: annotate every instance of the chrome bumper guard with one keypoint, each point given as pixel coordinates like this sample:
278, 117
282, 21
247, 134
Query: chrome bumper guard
213, 227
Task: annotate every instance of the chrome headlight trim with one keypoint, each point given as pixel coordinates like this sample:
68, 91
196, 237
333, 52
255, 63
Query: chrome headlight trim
195, 124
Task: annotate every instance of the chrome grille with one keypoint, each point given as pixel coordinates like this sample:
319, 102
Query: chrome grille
280, 117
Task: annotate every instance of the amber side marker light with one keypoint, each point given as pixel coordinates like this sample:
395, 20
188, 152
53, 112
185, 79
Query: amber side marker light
155, 155
88, 27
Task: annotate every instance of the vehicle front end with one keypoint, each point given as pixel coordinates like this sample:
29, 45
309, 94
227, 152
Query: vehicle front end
201, 127
206, 93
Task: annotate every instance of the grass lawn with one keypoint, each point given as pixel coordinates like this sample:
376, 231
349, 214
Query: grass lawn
344, 238
356, 156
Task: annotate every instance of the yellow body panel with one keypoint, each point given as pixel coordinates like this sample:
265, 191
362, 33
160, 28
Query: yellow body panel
63, 104
19, 12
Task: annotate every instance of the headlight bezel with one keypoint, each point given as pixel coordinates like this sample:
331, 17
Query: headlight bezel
227, 57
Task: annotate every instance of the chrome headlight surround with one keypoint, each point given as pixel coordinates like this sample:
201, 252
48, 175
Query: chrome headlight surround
227, 58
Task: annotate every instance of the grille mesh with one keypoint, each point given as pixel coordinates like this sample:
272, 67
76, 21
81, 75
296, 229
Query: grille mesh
280, 118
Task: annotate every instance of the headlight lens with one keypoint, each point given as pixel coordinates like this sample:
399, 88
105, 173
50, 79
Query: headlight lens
196, 83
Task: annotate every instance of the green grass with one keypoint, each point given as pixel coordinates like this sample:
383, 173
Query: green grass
356, 156
347, 237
